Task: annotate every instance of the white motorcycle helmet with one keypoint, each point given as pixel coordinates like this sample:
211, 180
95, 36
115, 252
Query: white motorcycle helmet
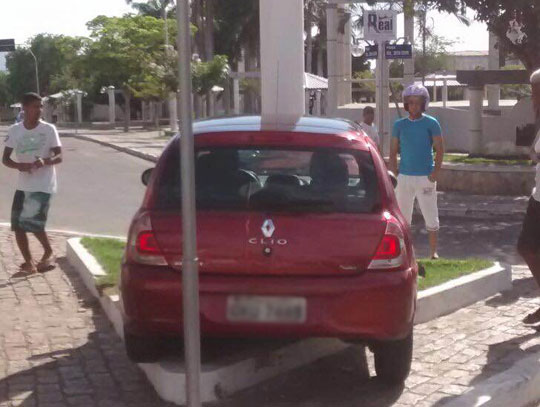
416, 90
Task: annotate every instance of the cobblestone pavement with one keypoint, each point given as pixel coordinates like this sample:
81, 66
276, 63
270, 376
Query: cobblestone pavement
57, 349
56, 346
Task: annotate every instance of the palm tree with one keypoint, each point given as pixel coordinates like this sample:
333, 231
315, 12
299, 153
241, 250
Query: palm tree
153, 8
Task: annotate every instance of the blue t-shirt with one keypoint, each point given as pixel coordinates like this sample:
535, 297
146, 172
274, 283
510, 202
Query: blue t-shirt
416, 144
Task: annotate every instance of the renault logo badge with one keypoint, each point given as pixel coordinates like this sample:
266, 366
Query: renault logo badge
268, 228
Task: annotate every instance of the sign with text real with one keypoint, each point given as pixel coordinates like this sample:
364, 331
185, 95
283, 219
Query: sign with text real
380, 25
398, 51
7, 45
372, 52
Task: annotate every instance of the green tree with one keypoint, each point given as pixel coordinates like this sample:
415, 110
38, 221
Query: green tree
519, 18
6, 98
122, 52
54, 53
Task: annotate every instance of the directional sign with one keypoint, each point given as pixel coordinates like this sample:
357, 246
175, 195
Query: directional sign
7, 45
380, 25
398, 51
372, 52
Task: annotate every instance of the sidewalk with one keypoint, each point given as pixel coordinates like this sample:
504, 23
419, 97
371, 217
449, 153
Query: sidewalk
57, 349
148, 145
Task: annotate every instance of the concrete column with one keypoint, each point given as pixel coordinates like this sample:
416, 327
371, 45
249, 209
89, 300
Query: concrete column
408, 71
317, 103
282, 58
79, 106
331, 52
476, 97
340, 63
434, 90
236, 96
211, 104
112, 105
144, 110
347, 61
382, 98
173, 113
493, 91
445, 92
306, 98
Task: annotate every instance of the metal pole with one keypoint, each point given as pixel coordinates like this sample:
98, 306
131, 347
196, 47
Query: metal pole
190, 272
37, 76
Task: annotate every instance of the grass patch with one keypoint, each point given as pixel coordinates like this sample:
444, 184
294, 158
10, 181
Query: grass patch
465, 159
443, 270
108, 253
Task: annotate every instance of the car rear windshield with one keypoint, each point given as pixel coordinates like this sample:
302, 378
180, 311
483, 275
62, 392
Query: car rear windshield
276, 179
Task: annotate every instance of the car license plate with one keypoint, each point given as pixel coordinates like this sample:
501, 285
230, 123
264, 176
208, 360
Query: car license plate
266, 309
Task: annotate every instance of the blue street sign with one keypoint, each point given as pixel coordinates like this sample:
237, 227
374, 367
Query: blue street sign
398, 51
372, 52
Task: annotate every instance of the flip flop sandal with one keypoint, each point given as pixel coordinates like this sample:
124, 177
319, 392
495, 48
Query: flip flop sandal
28, 268
47, 264
532, 318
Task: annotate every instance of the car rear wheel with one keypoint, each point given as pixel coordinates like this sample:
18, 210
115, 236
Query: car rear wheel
143, 349
393, 359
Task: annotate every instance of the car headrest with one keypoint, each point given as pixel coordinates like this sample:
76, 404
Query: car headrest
328, 170
283, 180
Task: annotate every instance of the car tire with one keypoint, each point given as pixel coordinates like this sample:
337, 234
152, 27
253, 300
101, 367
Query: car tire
143, 349
393, 359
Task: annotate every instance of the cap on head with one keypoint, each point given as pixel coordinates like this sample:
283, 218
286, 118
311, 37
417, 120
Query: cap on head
416, 90
29, 98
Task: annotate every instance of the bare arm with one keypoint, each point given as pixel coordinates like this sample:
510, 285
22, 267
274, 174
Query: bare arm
56, 158
532, 153
394, 146
438, 145
8, 162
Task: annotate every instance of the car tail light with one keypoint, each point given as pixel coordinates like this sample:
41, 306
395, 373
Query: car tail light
391, 252
142, 244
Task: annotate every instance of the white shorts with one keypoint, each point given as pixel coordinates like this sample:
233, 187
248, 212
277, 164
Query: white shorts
420, 187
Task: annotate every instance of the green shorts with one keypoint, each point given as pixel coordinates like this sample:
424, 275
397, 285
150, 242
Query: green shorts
29, 211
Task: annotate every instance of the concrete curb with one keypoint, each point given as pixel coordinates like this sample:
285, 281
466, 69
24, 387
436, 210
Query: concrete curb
518, 386
461, 292
220, 378
145, 156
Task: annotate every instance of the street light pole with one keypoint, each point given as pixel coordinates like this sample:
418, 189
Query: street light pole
36, 66
190, 267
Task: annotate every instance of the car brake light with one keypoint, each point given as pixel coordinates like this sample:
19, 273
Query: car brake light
391, 252
389, 248
142, 244
146, 243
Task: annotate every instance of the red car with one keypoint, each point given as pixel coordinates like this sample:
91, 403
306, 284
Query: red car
299, 235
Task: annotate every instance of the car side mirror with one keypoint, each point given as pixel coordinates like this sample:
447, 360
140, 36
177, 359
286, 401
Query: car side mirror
393, 178
145, 176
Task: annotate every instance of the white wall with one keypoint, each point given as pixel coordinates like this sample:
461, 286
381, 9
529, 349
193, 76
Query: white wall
101, 113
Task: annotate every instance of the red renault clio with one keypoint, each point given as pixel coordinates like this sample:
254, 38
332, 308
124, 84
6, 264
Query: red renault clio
299, 235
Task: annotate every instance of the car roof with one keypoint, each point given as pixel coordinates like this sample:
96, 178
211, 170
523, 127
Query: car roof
306, 124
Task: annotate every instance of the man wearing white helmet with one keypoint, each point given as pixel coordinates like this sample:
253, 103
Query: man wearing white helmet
416, 136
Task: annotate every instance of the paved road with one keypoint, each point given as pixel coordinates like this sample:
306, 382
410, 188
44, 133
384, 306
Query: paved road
99, 189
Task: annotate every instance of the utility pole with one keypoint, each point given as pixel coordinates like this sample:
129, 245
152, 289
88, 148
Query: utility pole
190, 262
36, 66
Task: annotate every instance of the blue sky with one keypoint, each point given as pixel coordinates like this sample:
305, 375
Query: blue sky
23, 19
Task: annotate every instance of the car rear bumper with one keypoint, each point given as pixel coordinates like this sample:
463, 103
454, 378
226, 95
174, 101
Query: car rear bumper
373, 305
